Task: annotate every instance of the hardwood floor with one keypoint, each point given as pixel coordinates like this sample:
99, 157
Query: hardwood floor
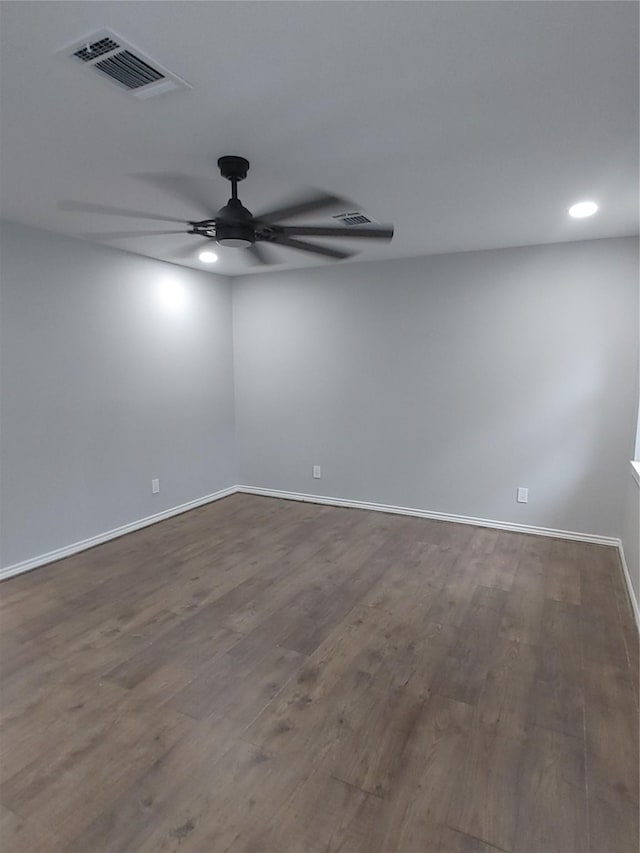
262, 675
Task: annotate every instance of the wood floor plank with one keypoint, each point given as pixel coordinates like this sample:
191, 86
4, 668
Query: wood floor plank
484, 540
560, 677
612, 752
198, 636
238, 689
412, 814
269, 676
11, 826
486, 800
505, 703
597, 593
414, 577
320, 616
55, 715
552, 807
61, 793
225, 801
604, 642
324, 815
388, 712
609, 685
562, 580
308, 715
523, 613
632, 647
463, 673
130, 818
613, 825
457, 591
498, 568
453, 841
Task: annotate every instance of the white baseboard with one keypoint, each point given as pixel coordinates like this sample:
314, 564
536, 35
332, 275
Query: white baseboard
68, 550
627, 580
462, 519
438, 516
76, 547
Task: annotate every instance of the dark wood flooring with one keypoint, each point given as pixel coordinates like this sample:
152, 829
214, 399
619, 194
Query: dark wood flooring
261, 675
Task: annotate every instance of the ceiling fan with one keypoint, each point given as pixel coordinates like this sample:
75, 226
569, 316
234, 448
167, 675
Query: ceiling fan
233, 225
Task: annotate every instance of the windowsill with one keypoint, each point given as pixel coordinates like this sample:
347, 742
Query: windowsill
635, 470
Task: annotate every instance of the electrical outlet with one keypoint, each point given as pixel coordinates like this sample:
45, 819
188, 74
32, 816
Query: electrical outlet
523, 495
155, 486
316, 472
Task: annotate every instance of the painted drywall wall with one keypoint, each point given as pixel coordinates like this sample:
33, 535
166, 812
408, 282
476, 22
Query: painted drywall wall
631, 534
115, 369
444, 383
439, 383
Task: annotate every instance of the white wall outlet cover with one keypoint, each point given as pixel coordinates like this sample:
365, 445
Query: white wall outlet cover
155, 486
523, 495
316, 472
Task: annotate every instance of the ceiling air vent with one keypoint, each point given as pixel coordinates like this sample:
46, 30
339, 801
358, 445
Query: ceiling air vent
128, 69
93, 51
354, 217
121, 63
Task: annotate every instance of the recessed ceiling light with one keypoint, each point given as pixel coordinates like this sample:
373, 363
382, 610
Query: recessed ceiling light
208, 257
582, 209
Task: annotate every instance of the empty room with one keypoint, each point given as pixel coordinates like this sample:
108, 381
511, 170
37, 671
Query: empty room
319, 442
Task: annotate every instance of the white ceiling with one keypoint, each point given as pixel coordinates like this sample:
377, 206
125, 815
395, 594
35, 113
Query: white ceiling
467, 125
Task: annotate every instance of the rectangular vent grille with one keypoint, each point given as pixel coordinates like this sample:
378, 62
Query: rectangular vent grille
98, 48
123, 64
354, 217
129, 70
358, 219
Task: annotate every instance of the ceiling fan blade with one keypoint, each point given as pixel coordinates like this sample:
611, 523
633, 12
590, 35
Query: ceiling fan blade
261, 255
381, 232
185, 188
327, 251
302, 204
87, 207
191, 249
113, 235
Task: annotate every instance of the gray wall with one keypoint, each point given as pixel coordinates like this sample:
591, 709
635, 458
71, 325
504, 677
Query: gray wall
631, 533
439, 383
104, 386
444, 383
